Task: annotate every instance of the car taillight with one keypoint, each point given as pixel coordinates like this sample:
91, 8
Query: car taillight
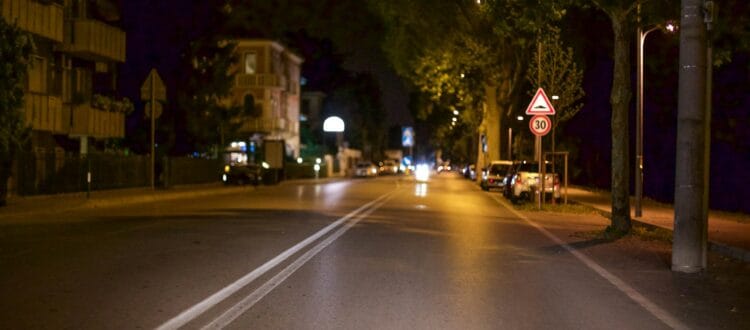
492, 180
519, 180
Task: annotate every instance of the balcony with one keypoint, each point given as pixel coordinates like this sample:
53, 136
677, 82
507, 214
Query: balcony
45, 20
88, 121
94, 40
45, 113
264, 125
260, 80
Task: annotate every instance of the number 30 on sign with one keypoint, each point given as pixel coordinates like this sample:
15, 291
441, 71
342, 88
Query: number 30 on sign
540, 125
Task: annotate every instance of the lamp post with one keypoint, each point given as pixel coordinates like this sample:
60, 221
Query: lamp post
335, 124
520, 140
670, 27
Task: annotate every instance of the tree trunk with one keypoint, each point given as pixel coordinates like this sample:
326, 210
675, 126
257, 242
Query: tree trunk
5, 168
620, 100
493, 123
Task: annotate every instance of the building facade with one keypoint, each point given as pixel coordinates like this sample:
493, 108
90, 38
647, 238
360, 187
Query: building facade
70, 94
268, 80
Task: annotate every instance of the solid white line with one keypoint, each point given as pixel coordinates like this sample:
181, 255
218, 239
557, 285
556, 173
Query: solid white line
248, 302
199, 308
632, 293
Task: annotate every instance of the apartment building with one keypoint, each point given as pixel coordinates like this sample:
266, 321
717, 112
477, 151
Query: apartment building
70, 93
268, 77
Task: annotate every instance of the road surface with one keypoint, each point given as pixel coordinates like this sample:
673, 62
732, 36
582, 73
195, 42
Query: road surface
385, 253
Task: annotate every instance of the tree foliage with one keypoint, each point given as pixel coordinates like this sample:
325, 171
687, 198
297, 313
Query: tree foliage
557, 72
451, 50
206, 80
15, 49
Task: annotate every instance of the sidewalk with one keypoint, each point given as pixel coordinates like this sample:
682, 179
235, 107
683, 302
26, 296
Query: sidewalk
48, 204
728, 233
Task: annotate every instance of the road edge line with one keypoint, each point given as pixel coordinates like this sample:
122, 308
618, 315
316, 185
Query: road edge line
661, 314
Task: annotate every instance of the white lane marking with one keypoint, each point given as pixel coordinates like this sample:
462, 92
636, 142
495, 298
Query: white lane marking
632, 293
248, 302
199, 308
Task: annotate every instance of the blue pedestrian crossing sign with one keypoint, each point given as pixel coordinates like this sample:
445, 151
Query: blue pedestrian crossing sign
407, 136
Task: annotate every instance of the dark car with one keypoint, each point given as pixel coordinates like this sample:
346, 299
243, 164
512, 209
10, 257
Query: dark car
494, 176
242, 174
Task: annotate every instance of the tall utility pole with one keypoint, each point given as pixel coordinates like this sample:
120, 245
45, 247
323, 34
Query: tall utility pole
690, 226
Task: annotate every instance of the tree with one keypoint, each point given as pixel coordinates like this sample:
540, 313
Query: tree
205, 83
466, 55
15, 48
553, 68
622, 15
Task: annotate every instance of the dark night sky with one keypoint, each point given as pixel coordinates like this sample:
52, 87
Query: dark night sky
157, 30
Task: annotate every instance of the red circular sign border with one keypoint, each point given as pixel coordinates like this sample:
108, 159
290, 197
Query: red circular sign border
549, 125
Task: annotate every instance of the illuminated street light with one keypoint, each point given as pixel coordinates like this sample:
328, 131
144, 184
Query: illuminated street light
520, 118
333, 124
669, 27
455, 112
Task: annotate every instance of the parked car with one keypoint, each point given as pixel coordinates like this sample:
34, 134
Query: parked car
525, 182
494, 176
470, 172
242, 174
365, 170
388, 167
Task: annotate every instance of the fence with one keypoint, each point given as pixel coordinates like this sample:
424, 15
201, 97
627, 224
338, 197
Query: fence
53, 173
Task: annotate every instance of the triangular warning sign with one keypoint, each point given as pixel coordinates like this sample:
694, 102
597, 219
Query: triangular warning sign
540, 104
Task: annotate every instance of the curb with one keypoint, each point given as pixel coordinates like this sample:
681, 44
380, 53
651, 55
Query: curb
78, 200
720, 248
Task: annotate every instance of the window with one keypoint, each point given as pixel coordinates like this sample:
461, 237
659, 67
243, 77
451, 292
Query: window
251, 63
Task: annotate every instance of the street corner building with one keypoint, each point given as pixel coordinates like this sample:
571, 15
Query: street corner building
268, 81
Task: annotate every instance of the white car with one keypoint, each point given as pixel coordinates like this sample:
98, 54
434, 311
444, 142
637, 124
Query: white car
525, 182
365, 170
388, 167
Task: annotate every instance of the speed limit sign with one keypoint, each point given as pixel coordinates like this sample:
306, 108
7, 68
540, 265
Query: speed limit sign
540, 125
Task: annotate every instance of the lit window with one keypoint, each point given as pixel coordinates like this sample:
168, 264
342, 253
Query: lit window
250, 63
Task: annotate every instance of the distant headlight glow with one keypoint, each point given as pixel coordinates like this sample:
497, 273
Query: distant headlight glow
422, 172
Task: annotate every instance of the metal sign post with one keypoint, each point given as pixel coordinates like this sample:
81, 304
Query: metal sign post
153, 90
540, 125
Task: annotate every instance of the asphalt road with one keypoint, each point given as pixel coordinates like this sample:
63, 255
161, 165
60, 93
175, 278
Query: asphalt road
385, 253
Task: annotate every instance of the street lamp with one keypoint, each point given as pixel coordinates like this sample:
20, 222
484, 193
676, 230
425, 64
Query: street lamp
510, 141
669, 27
335, 124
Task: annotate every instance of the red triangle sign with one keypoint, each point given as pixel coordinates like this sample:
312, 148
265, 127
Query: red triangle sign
540, 104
